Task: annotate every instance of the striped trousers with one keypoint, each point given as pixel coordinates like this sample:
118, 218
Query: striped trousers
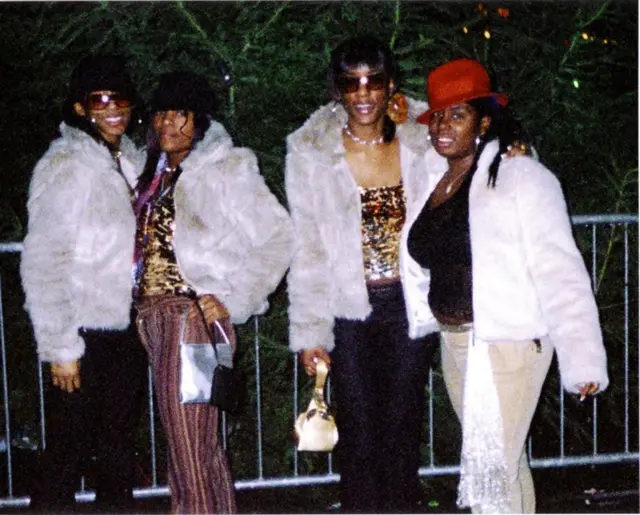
200, 480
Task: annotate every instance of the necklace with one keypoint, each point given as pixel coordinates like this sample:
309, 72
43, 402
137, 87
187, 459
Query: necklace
449, 187
355, 138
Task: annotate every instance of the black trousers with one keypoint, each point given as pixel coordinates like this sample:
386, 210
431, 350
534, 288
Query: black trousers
92, 431
379, 377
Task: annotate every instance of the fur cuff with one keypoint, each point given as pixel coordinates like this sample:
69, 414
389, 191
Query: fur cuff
51, 353
311, 335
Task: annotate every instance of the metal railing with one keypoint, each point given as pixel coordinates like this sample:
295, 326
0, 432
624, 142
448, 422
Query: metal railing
611, 259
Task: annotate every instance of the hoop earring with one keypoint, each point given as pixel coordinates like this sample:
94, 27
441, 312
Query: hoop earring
93, 120
397, 108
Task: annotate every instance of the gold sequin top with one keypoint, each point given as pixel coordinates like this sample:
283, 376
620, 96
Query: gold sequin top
383, 216
161, 274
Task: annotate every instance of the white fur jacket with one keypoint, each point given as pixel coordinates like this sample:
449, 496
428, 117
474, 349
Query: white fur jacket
529, 279
326, 279
78, 251
233, 238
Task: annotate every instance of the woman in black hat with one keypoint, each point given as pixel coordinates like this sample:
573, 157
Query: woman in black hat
210, 233
76, 273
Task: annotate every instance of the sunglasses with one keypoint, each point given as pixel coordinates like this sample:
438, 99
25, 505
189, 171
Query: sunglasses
373, 82
100, 101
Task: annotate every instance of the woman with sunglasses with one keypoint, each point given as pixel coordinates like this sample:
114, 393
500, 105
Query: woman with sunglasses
76, 272
352, 177
213, 243
508, 285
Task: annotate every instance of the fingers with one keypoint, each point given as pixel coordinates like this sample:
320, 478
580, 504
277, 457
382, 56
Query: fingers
213, 309
517, 148
587, 389
66, 376
310, 357
67, 384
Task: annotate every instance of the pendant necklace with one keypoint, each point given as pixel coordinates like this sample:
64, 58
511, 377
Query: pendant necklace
355, 138
450, 186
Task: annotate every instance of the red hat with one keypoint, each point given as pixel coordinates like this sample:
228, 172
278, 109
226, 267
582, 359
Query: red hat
456, 82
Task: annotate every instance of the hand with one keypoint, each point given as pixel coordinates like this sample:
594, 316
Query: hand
66, 376
309, 358
586, 389
212, 308
517, 148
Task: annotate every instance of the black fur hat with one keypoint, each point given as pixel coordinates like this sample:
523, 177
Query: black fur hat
100, 72
183, 90
96, 73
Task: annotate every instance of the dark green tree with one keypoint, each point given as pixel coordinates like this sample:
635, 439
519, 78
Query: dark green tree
570, 69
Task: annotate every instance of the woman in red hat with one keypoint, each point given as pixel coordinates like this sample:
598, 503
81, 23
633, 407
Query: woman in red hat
507, 284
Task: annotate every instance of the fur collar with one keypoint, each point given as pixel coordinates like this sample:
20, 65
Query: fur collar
79, 140
321, 134
213, 147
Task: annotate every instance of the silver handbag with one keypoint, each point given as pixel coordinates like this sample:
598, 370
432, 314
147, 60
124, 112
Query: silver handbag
198, 362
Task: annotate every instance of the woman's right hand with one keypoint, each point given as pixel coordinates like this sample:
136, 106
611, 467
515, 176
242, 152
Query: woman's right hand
212, 308
309, 358
66, 376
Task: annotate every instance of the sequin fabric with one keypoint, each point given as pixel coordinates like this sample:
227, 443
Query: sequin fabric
483, 469
383, 216
161, 274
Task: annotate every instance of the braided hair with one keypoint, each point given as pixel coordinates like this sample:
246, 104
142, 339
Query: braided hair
504, 127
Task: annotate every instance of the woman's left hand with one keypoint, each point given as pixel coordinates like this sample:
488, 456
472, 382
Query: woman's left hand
517, 148
586, 389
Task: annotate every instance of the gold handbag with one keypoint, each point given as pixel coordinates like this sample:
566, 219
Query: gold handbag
316, 428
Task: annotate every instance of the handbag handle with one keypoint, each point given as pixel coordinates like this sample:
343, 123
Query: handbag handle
207, 328
321, 377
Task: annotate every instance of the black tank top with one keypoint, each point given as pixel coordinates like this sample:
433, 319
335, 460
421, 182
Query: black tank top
439, 240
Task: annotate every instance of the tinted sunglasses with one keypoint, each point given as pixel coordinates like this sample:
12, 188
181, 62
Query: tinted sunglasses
100, 101
374, 82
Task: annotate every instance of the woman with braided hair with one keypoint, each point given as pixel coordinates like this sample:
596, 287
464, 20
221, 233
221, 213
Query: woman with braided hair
507, 284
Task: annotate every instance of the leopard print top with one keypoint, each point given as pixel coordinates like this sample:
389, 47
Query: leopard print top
383, 216
161, 274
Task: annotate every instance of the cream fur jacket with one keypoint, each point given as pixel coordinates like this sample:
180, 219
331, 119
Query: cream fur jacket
326, 279
233, 238
529, 279
78, 252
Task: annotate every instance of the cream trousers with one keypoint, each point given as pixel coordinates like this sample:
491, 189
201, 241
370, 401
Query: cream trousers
519, 369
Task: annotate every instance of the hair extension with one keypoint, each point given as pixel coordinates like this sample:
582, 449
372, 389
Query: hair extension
201, 122
504, 127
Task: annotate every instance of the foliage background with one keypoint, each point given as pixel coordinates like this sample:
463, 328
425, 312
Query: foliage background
570, 69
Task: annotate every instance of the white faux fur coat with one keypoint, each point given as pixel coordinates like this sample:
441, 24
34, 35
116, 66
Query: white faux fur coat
233, 238
326, 279
78, 251
529, 279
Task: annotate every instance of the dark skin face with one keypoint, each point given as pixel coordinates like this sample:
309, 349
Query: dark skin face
175, 131
111, 122
453, 132
366, 106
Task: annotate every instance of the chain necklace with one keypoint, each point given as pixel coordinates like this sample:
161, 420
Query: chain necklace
355, 138
449, 187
